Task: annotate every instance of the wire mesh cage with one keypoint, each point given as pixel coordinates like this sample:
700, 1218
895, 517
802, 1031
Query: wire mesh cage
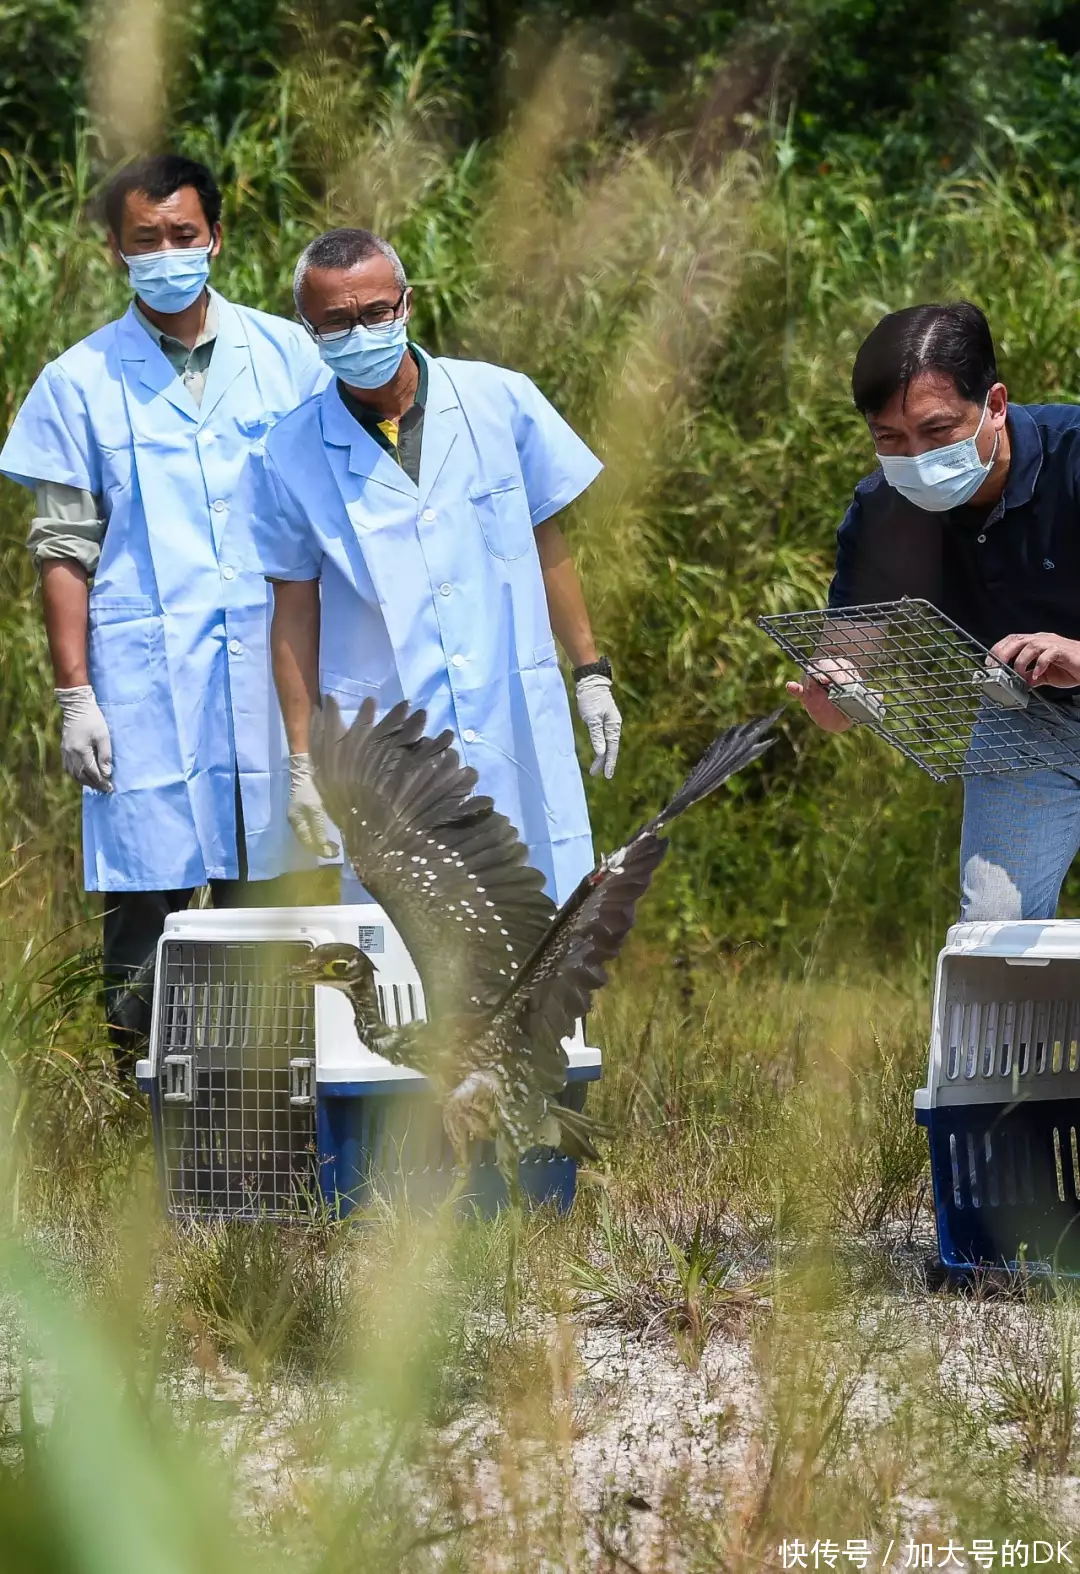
1002, 1098
236, 1052
904, 670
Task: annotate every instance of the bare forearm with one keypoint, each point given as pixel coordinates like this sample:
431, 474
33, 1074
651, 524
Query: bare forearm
65, 598
566, 601
294, 651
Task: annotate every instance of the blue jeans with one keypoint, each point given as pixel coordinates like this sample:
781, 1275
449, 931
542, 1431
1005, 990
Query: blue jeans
1021, 832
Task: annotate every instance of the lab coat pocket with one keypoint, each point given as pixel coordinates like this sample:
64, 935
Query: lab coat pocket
349, 692
503, 511
121, 642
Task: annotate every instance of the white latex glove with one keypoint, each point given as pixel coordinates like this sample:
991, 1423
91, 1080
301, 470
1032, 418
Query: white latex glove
306, 813
85, 745
598, 710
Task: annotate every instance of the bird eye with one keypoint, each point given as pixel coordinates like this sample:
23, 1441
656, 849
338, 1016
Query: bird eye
339, 967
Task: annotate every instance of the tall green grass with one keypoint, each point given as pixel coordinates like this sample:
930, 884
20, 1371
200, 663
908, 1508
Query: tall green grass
698, 327
343, 1397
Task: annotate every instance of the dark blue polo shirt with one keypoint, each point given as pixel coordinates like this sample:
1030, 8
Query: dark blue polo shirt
1012, 569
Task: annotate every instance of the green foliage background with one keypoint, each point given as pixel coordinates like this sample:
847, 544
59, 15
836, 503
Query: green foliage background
883, 153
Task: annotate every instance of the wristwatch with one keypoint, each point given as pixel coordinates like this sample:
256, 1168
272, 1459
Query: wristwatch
601, 669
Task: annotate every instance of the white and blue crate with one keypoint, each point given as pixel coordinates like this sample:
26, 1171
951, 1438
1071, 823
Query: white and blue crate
265, 1101
1001, 1103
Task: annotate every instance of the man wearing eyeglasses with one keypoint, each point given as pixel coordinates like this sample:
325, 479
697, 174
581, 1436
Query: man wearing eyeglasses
406, 519
158, 622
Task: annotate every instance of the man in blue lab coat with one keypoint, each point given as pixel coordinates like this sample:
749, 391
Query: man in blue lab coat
407, 518
133, 442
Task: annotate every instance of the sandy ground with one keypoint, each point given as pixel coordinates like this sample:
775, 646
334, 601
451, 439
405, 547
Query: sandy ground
636, 1428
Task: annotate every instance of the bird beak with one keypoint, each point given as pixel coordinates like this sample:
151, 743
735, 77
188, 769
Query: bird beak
302, 973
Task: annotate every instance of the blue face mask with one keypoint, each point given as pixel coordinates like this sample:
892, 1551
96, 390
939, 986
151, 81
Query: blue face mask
169, 281
367, 357
942, 477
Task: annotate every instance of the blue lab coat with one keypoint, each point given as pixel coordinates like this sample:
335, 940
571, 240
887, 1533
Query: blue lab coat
179, 611
434, 593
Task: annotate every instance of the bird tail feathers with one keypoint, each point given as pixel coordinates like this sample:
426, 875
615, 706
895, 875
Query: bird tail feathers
734, 749
577, 1133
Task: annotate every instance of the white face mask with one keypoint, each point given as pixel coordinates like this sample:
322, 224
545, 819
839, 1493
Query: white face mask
941, 478
171, 280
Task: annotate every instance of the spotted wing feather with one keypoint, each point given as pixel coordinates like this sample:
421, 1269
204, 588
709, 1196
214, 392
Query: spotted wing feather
557, 984
450, 871
568, 966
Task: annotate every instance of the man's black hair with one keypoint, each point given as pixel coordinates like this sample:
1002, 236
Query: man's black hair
159, 177
953, 339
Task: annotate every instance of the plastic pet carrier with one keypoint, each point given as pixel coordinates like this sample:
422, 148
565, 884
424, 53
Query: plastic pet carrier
266, 1103
1002, 1099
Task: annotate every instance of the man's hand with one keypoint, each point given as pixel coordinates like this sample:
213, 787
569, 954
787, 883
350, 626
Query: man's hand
1041, 658
814, 692
306, 813
85, 745
598, 710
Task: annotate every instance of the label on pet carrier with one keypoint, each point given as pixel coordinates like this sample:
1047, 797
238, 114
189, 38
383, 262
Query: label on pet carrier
372, 939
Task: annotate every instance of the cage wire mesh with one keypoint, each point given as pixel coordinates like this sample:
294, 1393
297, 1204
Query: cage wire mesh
921, 683
236, 1072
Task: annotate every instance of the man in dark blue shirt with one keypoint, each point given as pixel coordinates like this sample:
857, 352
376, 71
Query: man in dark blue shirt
975, 507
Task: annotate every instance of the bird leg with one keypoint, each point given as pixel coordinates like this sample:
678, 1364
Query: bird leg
462, 1172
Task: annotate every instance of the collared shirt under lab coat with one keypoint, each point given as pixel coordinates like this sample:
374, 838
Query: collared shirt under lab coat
179, 615
435, 593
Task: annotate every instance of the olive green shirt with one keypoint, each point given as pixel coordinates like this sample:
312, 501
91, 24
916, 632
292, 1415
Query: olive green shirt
68, 522
401, 439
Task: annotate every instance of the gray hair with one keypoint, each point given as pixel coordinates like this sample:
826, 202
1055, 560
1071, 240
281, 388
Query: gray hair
344, 249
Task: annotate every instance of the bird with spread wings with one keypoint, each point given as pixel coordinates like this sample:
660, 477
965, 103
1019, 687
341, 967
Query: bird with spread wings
505, 973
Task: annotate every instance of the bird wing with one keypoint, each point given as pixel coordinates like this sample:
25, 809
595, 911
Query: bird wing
567, 968
450, 871
555, 985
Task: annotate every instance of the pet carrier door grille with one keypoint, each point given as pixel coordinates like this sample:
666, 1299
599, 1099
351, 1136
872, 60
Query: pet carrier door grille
916, 679
1007, 1031
1001, 1103
236, 1058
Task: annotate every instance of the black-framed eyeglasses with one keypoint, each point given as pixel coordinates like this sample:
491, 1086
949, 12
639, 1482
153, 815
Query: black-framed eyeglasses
373, 319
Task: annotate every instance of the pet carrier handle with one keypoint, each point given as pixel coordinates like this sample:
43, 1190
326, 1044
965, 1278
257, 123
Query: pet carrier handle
302, 1081
178, 1083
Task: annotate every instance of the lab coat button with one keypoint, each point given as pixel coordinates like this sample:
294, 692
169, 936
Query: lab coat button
457, 661
227, 572
235, 647
445, 589
429, 514
219, 506
468, 735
